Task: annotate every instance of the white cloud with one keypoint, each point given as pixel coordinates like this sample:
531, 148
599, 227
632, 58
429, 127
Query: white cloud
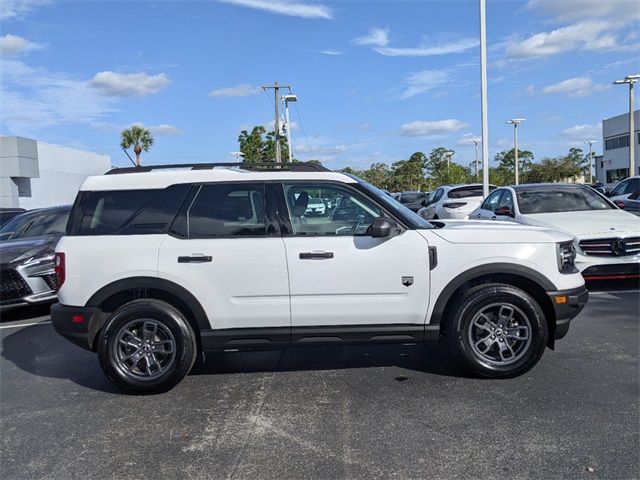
331, 52
421, 128
242, 90
580, 133
429, 50
420, 82
19, 8
378, 37
164, 130
579, 9
286, 7
468, 140
129, 84
587, 35
320, 150
36, 98
12, 45
576, 87
158, 130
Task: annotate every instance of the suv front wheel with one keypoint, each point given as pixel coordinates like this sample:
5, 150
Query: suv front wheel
146, 346
498, 331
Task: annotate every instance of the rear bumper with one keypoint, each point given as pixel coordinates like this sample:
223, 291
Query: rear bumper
79, 325
567, 304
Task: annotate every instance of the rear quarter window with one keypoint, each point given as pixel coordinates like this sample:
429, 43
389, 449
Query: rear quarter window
126, 212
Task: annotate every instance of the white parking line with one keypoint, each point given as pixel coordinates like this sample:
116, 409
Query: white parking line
24, 324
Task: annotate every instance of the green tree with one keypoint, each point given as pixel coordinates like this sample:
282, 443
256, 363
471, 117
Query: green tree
260, 145
442, 170
137, 137
506, 161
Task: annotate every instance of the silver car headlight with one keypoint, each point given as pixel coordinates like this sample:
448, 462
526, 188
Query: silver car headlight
566, 254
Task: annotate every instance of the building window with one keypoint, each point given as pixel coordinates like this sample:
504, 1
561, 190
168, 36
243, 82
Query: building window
617, 174
616, 142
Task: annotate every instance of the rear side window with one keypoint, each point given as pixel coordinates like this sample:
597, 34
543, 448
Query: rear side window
467, 192
126, 212
224, 210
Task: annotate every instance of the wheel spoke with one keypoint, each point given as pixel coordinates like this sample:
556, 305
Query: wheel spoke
129, 343
149, 330
486, 341
518, 333
505, 314
163, 346
487, 324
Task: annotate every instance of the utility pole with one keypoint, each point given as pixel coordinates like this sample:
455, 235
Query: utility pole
483, 98
476, 141
631, 80
287, 99
515, 122
590, 142
276, 90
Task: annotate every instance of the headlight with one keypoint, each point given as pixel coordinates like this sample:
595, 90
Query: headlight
566, 254
43, 258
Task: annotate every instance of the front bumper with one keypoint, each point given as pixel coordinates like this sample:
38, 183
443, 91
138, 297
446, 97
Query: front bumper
612, 271
79, 325
567, 304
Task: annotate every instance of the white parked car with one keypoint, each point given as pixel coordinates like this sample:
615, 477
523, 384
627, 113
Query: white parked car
607, 238
623, 189
159, 265
315, 207
452, 202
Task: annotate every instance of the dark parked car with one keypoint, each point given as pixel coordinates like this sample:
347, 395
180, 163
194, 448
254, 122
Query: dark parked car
7, 214
413, 200
27, 263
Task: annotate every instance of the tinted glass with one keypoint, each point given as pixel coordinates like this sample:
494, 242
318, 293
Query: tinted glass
352, 215
620, 188
551, 200
491, 203
412, 197
35, 224
466, 192
506, 200
633, 186
126, 212
225, 210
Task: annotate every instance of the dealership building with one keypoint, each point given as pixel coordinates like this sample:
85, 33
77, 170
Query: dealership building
613, 166
34, 174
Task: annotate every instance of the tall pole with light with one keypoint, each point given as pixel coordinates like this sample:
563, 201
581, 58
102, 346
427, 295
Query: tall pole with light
287, 99
590, 142
483, 98
631, 80
476, 141
515, 122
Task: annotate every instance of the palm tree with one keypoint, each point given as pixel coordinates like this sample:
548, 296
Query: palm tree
137, 137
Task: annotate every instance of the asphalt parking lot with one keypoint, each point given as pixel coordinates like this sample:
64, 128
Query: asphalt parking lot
352, 412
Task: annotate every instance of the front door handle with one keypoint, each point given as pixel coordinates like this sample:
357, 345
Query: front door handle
315, 255
195, 259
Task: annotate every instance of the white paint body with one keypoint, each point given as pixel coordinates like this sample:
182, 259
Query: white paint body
263, 282
438, 210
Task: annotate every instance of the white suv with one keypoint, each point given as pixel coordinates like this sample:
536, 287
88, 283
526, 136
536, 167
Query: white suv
159, 264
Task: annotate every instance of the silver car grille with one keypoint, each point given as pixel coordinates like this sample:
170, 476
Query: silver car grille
611, 247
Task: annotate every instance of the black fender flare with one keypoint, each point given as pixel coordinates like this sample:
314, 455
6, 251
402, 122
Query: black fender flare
481, 271
155, 283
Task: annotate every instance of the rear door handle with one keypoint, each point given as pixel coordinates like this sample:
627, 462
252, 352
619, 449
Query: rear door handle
315, 255
195, 259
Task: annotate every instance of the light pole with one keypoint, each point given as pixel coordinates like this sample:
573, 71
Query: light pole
630, 79
476, 141
483, 98
590, 142
515, 122
287, 99
449, 154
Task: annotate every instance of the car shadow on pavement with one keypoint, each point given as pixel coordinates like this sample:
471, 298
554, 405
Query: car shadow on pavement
39, 351
45, 354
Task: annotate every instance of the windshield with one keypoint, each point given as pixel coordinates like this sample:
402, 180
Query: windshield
553, 200
36, 224
393, 205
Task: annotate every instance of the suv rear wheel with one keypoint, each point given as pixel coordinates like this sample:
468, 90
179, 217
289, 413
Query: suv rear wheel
146, 346
498, 331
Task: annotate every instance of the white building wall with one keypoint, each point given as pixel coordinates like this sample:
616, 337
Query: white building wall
36, 175
618, 158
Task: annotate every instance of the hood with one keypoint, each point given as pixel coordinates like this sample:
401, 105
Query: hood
491, 231
23, 248
592, 222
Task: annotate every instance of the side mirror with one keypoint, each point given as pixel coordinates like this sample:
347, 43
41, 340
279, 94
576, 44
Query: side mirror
383, 228
504, 211
608, 192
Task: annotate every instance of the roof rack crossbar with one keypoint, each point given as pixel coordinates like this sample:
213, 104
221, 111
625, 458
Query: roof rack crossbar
258, 166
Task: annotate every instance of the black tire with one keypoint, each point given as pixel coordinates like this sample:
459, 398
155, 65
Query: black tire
467, 326
172, 327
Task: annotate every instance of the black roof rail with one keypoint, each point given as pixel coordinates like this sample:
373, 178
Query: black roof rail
256, 167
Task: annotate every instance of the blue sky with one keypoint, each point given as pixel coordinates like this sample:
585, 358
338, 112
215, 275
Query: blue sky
376, 80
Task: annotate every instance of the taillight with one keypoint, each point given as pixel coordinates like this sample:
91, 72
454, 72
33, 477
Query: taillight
60, 268
454, 204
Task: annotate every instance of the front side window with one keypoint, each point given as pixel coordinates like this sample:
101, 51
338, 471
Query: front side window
620, 188
224, 210
633, 186
352, 215
506, 200
492, 201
